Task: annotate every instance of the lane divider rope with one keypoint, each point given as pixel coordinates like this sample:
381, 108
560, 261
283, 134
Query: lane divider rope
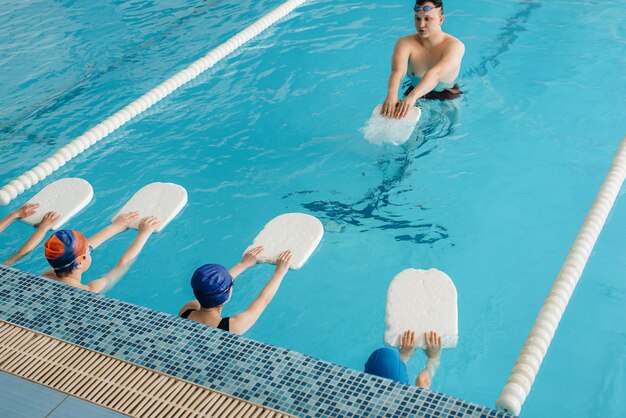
31, 177
526, 367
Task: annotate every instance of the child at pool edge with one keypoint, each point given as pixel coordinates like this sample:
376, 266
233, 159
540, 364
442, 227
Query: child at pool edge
212, 286
69, 252
391, 364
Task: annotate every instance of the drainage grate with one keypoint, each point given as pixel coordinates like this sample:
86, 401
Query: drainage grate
113, 383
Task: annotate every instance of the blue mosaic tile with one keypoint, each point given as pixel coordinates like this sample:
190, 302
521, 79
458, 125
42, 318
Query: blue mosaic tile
267, 375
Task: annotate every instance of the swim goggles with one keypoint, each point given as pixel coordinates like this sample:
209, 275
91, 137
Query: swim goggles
73, 262
89, 251
418, 8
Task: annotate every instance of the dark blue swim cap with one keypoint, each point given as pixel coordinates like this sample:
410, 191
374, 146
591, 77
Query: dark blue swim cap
211, 285
386, 362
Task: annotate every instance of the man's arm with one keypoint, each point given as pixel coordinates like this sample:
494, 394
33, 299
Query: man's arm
120, 224
399, 63
241, 322
450, 60
22, 212
44, 226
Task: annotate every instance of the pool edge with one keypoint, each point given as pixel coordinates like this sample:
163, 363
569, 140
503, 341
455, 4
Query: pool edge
251, 371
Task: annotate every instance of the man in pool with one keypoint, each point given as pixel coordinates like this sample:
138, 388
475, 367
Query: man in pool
391, 364
431, 58
69, 252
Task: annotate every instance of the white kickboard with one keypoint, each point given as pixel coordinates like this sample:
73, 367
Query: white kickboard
66, 197
298, 232
163, 200
421, 301
381, 129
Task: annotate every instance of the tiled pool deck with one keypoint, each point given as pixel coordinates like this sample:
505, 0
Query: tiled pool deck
16, 401
256, 372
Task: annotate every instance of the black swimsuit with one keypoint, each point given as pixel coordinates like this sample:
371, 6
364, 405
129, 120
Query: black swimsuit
447, 94
224, 323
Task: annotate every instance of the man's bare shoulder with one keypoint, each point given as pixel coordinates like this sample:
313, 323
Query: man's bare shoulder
452, 43
408, 41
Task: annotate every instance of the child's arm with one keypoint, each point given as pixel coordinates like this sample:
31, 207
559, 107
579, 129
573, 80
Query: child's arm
22, 212
120, 224
407, 345
106, 282
240, 323
147, 226
44, 226
249, 259
433, 351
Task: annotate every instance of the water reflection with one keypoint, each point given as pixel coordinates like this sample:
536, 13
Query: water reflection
385, 206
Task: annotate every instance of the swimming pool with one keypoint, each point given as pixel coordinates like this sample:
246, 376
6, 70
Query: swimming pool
492, 191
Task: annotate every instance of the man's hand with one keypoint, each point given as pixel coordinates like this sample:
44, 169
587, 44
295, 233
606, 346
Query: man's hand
149, 224
389, 106
26, 210
123, 221
251, 257
48, 220
407, 344
402, 109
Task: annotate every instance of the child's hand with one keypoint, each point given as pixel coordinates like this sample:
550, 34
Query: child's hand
124, 220
251, 257
407, 344
48, 220
149, 224
433, 344
282, 264
26, 210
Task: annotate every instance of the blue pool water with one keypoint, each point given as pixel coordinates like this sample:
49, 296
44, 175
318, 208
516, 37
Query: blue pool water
491, 190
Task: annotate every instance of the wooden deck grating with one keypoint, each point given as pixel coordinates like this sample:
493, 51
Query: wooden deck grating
112, 383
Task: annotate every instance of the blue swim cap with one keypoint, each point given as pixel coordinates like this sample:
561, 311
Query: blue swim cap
211, 285
386, 362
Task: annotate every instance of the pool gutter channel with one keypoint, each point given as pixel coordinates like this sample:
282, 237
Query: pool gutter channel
112, 383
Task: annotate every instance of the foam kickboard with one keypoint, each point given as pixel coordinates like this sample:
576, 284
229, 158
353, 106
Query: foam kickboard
381, 129
421, 301
66, 197
163, 200
298, 232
